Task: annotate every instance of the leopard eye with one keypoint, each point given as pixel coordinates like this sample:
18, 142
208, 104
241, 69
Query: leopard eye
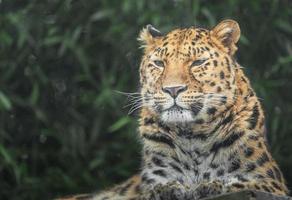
159, 63
198, 62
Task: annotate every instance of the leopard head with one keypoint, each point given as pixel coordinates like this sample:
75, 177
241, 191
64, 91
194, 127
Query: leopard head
188, 75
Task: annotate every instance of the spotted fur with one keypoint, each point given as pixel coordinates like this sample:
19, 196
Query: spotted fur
201, 124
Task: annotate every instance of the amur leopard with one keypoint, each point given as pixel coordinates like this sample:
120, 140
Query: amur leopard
201, 124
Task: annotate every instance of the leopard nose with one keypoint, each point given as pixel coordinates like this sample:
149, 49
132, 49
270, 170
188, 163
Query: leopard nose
174, 90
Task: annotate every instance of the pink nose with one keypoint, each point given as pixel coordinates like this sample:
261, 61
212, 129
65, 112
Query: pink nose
174, 90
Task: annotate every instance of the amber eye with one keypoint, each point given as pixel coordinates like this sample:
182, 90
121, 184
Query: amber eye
198, 62
159, 63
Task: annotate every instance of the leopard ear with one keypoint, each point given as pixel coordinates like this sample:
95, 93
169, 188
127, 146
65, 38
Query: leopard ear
228, 33
148, 35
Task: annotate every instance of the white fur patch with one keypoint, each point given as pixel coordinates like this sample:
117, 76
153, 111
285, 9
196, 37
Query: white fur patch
177, 115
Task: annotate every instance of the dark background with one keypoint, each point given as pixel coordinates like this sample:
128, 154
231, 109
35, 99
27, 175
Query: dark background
63, 128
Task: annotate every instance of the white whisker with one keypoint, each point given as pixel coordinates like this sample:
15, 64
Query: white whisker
135, 108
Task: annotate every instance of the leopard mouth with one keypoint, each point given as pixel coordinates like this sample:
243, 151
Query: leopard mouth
175, 108
195, 108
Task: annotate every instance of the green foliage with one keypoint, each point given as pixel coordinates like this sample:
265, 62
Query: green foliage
63, 129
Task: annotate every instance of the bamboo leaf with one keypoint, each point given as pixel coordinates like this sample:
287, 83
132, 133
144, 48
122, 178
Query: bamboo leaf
5, 102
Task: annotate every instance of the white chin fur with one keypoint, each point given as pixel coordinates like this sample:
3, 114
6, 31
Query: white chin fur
177, 116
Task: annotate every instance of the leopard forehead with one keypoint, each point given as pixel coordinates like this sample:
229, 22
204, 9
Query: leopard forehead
183, 44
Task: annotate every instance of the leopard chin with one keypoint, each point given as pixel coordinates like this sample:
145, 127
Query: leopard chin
177, 115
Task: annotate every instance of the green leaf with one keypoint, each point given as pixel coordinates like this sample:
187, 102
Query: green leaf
5, 154
52, 40
5, 39
208, 14
100, 15
34, 96
119, 124
244, 40
95, 163
5, 102
284, 26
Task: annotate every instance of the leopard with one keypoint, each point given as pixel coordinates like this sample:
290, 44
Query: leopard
201, 125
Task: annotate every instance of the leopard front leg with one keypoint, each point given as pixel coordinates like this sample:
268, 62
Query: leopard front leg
264, 185
217, 187
207, 189
162, 178
171, 190
176, 191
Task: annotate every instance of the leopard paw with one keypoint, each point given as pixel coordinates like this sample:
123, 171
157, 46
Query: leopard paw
207, 189
171, 190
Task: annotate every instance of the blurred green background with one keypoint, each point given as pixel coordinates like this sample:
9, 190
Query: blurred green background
63, 128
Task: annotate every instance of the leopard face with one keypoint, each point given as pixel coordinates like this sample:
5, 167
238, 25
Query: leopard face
188, 75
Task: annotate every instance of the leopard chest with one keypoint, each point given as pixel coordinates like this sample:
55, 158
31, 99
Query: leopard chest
190, 162
200, 165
